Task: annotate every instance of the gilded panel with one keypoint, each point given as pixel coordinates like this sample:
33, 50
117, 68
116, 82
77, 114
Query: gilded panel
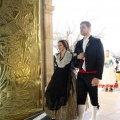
20, 83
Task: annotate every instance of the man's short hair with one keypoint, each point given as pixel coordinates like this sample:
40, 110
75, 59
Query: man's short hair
87, 23
107, 51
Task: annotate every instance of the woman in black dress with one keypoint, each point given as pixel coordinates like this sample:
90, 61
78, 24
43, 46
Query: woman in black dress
61, 93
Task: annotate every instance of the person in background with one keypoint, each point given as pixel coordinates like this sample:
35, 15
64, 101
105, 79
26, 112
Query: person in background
109, 73
117, 65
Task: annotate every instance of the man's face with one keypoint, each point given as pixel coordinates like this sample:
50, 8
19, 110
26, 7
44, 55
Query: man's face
84, 30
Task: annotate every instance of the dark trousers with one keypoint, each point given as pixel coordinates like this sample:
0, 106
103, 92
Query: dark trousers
84, 86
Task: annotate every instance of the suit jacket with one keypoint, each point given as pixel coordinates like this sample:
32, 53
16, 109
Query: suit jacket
94, 55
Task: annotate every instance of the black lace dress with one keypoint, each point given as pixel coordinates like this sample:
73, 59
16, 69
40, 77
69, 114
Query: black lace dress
57, 92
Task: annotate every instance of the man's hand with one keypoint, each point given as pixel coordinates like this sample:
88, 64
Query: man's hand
80, 56
95, 82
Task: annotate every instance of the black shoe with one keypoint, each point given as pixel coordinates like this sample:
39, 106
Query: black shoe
106, 89
111, 89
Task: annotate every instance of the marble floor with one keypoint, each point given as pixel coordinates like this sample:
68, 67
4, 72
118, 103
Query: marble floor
109, 105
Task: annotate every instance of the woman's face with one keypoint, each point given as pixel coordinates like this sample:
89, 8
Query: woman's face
107, 54
61, 47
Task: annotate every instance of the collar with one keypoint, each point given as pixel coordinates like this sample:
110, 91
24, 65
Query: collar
86, 37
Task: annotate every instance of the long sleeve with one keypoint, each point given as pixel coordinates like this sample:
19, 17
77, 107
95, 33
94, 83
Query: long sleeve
78, 49
100, 59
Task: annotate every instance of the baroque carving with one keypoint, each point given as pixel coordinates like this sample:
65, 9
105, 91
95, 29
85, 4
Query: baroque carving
20, 84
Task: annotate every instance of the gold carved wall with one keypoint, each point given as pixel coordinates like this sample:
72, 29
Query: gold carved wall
20, 83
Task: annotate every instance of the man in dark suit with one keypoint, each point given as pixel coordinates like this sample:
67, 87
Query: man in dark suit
90, 52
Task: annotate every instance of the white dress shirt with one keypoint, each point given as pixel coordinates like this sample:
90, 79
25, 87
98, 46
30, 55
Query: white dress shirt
85, 42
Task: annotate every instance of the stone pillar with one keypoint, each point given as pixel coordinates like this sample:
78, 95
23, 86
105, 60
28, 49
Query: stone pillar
47, 40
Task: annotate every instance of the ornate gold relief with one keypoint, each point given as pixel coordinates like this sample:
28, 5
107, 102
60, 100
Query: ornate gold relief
20, 83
